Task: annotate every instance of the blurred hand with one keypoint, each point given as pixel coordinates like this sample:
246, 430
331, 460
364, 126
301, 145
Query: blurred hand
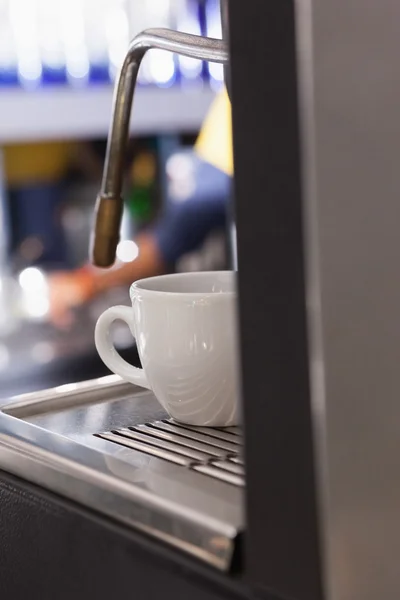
68, 290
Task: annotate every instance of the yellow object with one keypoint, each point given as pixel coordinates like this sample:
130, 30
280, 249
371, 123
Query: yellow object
47, 162
214, 144
26, 164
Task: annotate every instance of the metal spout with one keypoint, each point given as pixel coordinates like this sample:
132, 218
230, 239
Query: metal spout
109, 205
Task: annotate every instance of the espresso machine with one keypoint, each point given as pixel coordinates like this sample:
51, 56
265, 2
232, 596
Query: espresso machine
102, 495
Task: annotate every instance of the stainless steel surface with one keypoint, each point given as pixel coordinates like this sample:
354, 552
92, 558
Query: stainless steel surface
180, 446
216, 473
190, 442
191, 454
228, 437
214, 438
228, 466
109, 202
107, 445
160, 452
350, 94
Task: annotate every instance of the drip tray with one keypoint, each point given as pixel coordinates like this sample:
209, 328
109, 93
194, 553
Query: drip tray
214, 453
109, 446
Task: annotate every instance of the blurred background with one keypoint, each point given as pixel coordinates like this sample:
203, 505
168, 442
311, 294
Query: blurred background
58, 63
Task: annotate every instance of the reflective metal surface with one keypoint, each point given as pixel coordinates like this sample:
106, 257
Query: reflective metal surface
109, 202
350, 90
180, 445
110, 446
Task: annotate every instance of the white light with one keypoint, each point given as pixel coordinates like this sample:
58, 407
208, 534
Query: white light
37, 306
127, 251
71, 18
66, 387
158, 10
78, 64
23, 19
32, 280
213, 17
95, 19
117, 32
108, 379
34, 285
214, 29
161, 67
216, 71
179, 166
8, 57
30, 69
182, 183
190, 67
49, 34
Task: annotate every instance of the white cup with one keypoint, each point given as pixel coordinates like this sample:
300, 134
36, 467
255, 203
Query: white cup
185, 331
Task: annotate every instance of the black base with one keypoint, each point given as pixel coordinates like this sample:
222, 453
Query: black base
51, 548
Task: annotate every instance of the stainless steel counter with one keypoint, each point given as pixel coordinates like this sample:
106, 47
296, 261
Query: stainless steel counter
109, 446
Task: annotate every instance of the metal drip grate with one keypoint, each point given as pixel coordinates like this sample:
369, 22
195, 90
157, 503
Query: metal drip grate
180, 484
214, 452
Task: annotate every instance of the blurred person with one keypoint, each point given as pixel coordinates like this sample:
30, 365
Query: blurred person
199, 192
36, 175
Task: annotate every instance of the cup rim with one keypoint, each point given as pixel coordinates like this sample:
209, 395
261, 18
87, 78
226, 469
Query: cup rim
136, 286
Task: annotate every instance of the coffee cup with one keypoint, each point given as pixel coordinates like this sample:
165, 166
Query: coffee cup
186, 334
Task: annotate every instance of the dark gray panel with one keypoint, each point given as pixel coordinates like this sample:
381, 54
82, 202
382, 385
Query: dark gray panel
282, 542
353, 211
49, 548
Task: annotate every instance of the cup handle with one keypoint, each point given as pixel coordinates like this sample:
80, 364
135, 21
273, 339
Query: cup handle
106, 348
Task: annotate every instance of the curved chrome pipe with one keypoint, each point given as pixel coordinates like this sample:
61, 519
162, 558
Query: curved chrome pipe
224, 9
109, 204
